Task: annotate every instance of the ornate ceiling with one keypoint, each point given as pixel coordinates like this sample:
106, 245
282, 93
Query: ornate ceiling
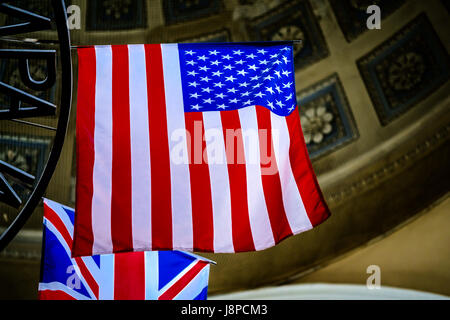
374, 107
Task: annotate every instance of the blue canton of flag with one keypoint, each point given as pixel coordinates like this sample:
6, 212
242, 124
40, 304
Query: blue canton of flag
228, 76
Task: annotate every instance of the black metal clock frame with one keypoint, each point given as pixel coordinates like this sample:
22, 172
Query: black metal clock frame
39, 107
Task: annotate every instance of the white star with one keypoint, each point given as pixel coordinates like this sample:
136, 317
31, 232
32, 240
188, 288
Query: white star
216, 62
228, 67
253, 67
228, 57
279, 103
285, 59
208, 100
257, 85
270, 104
251, 56
195, 95
192, 73
243, 84
218, 84
217, 73
204, 68
193, 84
259, 94
207, 89
234, 100
191, 62
269, 77
286, 73
277, 73
220, 95
205, 79
263, 62
214, 52
239, 61
203, 57
238, 52
288, 97
190, 52
273, 56
285, 49
232, 90
222, 106
248, 102
277, 62
255, 78
262, 51
287, 85
245, 94
291, 108
266, 70
242, 72
196, 107
270, 90
230, 78
278, 89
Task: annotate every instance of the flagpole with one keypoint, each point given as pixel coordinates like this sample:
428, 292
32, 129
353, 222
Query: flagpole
33, 41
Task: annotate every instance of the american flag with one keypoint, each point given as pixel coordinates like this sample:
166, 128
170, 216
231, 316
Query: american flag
135, 275
196, 147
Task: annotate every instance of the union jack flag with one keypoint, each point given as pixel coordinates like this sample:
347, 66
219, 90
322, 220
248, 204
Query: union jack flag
151, 275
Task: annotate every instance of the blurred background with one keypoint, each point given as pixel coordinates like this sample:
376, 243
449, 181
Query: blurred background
375, 111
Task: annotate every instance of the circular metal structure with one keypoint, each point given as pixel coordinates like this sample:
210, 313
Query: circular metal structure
24, 104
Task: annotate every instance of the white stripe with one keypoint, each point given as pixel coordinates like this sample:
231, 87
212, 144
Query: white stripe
92, 266
195, 286
151, 275
220, 184
62, 214
58, 286
178, 277
257, 209
140, 149
293, 204
106, 277
179, 167
101, 198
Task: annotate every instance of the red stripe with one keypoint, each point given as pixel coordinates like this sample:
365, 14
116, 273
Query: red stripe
121, 232
202, 211
176, 288
307, 184
234, 147
129, 276
87, 276
85, 124
271, 178
54, 295
161, 206
54, 219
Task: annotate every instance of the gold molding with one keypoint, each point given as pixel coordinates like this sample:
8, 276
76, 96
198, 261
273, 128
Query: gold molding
392, 168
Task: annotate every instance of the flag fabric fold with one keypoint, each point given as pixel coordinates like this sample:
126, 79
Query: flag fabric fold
123, 276
194, 147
